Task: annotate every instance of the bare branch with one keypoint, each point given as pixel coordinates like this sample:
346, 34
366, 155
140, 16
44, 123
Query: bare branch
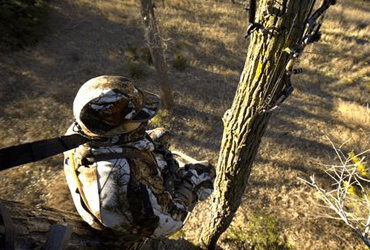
348, 189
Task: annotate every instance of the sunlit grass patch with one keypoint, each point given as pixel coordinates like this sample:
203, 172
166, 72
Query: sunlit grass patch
353, 113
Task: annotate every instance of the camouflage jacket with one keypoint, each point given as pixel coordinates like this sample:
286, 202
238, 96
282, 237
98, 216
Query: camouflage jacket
130, 187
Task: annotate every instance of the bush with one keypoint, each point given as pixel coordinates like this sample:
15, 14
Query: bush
135, 70
139, 54
179, 62
22, 22
146, 56
262, 232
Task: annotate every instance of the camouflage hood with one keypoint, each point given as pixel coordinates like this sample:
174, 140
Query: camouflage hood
103, 104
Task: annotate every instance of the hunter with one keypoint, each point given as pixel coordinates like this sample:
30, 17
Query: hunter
125, 179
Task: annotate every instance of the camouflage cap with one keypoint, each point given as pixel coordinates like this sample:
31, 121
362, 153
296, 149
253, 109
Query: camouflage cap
104, 103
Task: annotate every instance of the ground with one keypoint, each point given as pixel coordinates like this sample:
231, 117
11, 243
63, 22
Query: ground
91, 38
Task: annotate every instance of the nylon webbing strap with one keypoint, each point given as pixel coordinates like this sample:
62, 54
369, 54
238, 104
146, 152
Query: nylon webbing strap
34, 151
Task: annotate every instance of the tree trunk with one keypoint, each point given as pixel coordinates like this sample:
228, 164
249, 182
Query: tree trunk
155, 46
246, 121
35, 227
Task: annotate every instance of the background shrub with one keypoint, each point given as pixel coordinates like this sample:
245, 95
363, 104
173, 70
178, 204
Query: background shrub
22, 22
179, 62
135, 70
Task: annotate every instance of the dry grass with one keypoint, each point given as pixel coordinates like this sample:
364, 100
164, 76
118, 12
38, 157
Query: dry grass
353, 113
91, 38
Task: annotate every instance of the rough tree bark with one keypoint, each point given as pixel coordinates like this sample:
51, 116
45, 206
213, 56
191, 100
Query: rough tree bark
155, 46
244, 123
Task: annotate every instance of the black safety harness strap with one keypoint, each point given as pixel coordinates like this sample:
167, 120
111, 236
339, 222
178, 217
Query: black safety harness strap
34, 151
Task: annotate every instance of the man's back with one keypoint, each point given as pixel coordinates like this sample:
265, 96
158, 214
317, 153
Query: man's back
121, 187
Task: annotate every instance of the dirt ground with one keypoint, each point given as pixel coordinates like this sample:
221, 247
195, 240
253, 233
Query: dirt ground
92, 38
